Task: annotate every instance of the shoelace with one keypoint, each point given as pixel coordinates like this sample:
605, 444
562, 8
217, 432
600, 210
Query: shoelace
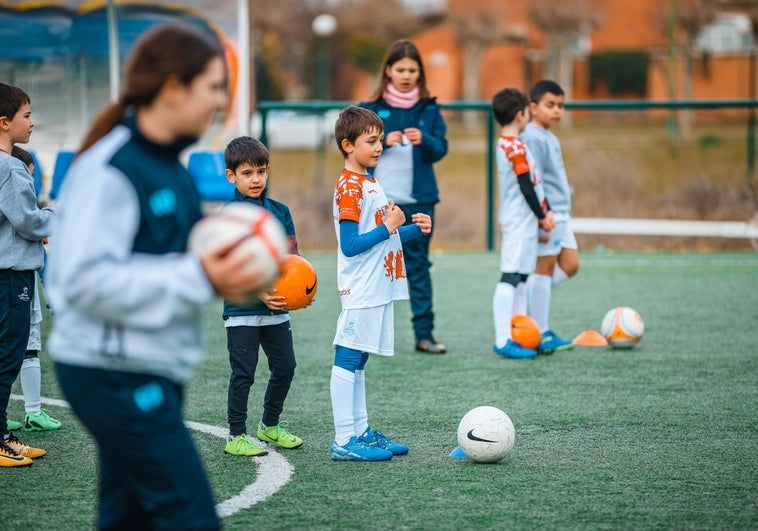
5, 449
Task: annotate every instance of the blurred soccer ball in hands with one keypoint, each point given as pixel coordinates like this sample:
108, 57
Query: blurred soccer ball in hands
254, 233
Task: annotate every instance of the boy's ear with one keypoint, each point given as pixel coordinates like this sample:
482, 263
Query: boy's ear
230, 176
4, 123
346, 145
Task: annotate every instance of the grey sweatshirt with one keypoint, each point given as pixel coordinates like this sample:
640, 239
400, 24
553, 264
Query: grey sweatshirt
22, 224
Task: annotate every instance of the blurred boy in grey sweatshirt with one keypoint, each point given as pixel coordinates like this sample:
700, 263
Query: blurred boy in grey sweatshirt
22, 227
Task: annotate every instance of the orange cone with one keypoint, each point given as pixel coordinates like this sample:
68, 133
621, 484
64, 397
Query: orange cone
590, 338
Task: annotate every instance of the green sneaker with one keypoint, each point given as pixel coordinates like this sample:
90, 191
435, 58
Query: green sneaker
279, 436
41, 421
13, 425
241, 445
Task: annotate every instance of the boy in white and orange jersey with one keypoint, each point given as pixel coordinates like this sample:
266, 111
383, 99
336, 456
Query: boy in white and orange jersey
370, 277
523, 212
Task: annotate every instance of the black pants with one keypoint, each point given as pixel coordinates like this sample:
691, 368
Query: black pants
16, 295
243, 343
151, 476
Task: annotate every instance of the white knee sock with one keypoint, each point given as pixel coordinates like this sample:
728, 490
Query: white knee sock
519, 299
31, 384
502, 311
342, 388
360, 412
559, 275
538, 292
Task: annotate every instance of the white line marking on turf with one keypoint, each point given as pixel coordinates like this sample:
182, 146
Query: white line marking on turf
274, 471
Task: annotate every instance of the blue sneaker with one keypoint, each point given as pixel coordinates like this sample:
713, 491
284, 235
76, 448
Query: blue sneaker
378, 439
514, 350
357, 450
551, 342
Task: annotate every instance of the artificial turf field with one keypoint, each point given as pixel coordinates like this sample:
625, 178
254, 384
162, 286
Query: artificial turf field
663, 436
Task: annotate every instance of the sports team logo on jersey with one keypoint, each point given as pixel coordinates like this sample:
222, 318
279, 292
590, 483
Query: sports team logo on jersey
394, 267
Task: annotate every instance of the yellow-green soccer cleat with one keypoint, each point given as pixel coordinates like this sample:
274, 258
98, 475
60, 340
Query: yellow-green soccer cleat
279, 436
241, 445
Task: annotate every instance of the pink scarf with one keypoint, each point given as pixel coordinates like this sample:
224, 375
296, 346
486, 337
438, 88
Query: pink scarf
401, 100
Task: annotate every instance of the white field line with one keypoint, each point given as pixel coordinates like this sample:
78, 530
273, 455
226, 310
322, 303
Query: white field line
274, 471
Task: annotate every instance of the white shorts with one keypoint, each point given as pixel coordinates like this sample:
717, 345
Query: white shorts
367, 329
561, 236
518, 254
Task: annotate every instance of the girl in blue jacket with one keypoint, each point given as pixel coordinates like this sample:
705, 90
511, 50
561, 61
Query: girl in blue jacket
414, 140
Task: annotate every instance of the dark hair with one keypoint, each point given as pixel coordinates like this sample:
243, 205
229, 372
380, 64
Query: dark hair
506, 103
164, 51
245, 149
11, 100
542, 87
400, 50
22, 155
354, 121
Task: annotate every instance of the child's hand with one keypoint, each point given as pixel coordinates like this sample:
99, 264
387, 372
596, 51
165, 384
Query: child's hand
395, 138
231, 275
413, 135
548, 222
271, 300
395, 217
424, 222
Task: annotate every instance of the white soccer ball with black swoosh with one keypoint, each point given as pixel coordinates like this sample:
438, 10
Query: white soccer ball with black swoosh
486, 434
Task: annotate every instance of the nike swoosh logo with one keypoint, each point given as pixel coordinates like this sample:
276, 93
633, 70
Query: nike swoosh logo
309, 289
473, 437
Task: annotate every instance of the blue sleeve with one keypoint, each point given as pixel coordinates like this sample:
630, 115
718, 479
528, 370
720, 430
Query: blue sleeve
408, 232
352, 243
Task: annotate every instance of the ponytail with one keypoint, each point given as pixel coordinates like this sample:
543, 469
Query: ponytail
108, 118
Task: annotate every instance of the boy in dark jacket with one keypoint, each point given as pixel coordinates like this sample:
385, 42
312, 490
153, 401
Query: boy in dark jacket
262, 323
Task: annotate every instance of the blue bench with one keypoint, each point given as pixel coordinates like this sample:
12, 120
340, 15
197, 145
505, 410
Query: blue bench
207, 169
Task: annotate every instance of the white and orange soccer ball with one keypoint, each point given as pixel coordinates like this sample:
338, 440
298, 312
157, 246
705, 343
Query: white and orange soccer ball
486, 434
255, 233
622, 327
298, 282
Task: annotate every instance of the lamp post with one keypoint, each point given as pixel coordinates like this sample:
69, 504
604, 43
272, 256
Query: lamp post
323, 26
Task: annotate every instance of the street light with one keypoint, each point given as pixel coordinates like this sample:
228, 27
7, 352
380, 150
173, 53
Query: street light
324, 27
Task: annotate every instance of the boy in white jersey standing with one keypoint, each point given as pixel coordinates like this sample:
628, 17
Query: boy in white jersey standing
370, 277
523, 212
558, 254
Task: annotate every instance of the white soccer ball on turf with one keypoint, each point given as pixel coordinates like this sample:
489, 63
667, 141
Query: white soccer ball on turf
622, 327
486, 434
255, 233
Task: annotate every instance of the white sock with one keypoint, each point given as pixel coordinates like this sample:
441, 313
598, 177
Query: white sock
342, 388
360, 413
519, 299
502, 311
31, 384
538, 291
559, 275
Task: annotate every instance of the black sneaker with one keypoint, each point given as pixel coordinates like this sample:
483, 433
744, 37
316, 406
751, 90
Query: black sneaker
430, 346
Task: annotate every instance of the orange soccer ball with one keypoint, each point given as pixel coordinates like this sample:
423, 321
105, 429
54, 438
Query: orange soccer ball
297, 283
525, 331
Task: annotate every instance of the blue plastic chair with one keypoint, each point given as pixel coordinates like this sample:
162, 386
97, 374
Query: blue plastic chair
207, 169
62, 162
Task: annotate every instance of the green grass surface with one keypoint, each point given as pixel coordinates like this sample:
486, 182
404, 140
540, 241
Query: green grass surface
662, 436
